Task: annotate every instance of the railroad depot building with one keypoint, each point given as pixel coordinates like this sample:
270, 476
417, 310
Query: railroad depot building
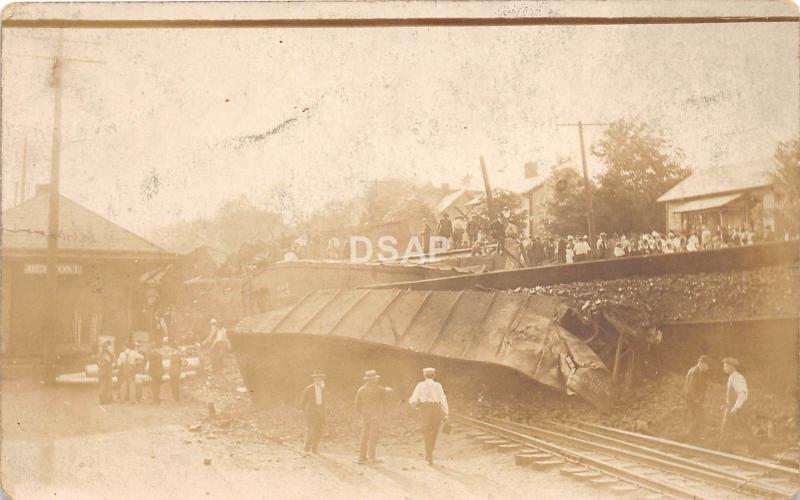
101, 290
738, 195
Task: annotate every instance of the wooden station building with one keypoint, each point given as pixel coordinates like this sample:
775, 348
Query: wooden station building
101, 293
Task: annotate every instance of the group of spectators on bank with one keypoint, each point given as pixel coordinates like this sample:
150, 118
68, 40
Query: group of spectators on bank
478, 233
558, 249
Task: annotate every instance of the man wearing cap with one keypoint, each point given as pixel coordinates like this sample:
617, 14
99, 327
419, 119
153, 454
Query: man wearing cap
694, 391
313, 405
370, 403
734, 421
430, 400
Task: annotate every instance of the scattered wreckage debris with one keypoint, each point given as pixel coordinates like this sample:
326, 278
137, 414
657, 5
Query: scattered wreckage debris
524, 333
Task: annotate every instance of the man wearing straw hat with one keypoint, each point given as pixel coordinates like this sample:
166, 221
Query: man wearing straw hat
313, 405
370, 403
430, 400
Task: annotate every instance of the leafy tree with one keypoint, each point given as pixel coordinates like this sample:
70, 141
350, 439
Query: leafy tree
411, 207
240, 221
567, 206
640, 166
504, 199
236, 222
383, 197
786, 182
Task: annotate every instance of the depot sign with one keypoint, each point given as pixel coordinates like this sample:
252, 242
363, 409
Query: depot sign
38, 268
362, 251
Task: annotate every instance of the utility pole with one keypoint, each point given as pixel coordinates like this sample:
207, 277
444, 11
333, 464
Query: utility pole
587, 184
23, 190
51, 307
51, 320
489, 198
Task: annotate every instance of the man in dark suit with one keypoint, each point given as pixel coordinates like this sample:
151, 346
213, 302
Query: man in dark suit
155, 368
694, 391
313, 405
105, 365
370, 403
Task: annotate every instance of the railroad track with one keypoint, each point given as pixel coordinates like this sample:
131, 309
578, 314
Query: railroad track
630, 463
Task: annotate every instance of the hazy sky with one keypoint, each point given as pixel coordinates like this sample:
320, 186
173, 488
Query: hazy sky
177, 121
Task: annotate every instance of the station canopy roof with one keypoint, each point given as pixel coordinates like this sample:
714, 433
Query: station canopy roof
707, 203
82, 232
722, 179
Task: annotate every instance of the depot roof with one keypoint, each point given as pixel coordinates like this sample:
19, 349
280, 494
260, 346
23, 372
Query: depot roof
729, 178
81, 231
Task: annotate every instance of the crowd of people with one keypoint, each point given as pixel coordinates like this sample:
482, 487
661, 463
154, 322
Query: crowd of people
154, 359
558, 249
478, 233
428, 399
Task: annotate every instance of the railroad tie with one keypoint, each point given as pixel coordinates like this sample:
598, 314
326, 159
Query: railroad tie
572, 469
528, 458
546, 463
494, 443
587, 475
509, 447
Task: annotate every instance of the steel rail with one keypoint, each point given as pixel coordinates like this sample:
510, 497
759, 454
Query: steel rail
782, 489
580, 458
662, 461
680, 453
676, 447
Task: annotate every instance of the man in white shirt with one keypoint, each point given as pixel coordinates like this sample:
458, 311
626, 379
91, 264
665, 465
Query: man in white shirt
220, 345
127, 372
430, 400
734, 421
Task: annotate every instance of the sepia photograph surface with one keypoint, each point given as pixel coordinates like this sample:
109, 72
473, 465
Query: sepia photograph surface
400, 250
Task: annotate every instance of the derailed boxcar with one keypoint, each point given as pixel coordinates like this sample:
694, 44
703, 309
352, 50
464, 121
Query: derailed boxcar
511, 330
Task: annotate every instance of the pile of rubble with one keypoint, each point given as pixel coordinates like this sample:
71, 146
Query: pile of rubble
769, 291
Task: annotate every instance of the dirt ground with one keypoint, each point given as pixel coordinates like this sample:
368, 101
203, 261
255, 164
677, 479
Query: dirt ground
58, 442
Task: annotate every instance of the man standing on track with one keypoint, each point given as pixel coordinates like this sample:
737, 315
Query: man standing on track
694, 391
430, 400
734, 422
370, 403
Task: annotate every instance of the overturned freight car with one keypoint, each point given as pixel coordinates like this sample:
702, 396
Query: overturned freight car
398, 331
